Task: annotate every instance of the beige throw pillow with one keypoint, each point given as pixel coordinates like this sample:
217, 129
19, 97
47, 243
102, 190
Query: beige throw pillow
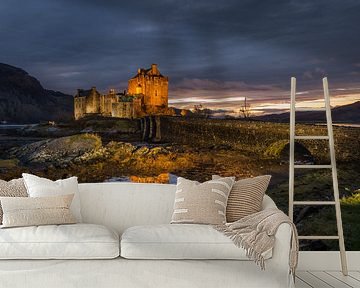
246, 197
27, 211
202, 203
13, 188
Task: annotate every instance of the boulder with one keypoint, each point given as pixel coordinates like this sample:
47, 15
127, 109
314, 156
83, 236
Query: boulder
58, 152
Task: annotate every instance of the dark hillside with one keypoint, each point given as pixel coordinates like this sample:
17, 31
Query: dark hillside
24, 100
343, 114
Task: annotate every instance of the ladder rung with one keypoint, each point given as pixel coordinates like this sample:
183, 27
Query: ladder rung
304, 109
318, 237
312, 166
314, 202
312, 137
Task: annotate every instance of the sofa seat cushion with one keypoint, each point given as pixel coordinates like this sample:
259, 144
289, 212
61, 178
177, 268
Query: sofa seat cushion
74, 241
180, 241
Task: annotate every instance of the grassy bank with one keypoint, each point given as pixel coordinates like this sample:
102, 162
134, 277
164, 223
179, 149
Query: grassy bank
255, 138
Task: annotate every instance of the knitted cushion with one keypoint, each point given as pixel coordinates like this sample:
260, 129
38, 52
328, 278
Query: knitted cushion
13, 188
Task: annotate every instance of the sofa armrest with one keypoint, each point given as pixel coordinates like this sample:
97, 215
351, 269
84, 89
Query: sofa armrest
279, 263
268, 203
282, 238
282, 245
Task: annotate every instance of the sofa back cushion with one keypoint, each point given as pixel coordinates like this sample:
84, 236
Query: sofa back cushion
122, 205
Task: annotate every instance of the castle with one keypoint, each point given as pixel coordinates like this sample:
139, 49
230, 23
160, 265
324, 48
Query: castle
147, 94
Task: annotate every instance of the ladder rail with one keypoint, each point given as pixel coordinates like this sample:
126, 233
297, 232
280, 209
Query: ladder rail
335, 177
292, 149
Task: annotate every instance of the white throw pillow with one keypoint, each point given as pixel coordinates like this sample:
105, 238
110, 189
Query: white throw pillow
42, 187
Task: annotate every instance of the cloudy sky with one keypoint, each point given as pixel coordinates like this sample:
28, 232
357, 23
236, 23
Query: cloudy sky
214, 52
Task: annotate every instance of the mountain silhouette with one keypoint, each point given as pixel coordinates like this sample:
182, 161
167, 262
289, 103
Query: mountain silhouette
24, 100
342, 114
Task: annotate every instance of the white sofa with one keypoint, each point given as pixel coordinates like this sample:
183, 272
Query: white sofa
119, 206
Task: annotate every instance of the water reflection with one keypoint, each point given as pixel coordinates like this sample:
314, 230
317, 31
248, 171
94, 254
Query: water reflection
163, 178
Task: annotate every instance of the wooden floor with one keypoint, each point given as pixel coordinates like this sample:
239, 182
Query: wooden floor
327, 279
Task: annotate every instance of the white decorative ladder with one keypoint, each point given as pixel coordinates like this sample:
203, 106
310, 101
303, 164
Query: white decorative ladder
332, 166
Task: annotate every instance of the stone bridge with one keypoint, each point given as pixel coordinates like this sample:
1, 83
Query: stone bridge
269, 139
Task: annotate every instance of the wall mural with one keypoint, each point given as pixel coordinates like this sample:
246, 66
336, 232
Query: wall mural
150, 97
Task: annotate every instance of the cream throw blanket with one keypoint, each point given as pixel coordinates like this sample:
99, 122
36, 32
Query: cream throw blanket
256, 234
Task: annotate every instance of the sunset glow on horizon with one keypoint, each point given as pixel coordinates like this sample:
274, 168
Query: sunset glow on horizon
268, 100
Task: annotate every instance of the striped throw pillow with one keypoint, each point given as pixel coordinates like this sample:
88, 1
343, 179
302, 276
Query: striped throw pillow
201, 203
246, 197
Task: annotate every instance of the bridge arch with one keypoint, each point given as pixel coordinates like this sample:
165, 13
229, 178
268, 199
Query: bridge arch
280, 149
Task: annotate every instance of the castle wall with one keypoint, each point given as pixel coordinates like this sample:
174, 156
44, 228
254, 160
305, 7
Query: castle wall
79, 107
138, 109
93, 102
107, 102
123, 110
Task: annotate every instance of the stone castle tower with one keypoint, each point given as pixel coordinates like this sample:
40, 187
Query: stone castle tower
147, 95
154, 88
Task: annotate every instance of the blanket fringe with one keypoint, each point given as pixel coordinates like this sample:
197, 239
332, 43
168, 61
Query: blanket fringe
256, 234
240, 243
